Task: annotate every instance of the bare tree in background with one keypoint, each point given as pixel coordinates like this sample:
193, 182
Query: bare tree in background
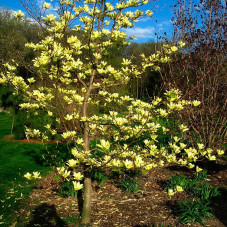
200, 71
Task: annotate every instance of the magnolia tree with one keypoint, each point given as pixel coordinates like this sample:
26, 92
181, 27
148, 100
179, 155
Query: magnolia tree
73, 86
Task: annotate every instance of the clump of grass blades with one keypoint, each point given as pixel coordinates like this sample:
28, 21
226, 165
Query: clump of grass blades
202, 193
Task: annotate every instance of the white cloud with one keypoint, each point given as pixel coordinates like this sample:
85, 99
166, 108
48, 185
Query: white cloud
147, 32
144, 19
49, 10
6, 10
164, 24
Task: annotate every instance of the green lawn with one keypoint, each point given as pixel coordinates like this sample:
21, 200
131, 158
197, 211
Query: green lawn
5, 124
16, 159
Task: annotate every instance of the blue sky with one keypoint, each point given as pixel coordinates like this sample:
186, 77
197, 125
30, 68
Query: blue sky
144, 30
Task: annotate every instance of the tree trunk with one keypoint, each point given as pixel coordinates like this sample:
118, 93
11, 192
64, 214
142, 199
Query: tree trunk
86, 212
11, 133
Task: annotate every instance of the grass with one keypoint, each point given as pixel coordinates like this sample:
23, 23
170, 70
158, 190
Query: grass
5, 123
16, 159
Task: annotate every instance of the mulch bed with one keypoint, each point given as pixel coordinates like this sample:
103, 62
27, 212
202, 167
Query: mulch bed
151, 206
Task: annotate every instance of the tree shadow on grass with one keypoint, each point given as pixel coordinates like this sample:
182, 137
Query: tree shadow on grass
48, 154
46, 216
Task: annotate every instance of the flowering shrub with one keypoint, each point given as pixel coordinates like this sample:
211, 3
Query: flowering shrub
67, 89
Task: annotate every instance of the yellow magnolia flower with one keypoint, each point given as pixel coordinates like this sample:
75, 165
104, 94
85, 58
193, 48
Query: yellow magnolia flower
200, 146
77, 185
120, 121
97, 56
139, 162
163, 113
182, 44
209, 150
182, 162
126, 62
28, 176
196, 103
72, 163
75, 152
61, 170
18, 14
68, 117
198, 169
190, 155
190, 165
66, 135
171, 192
49, 18
183, 128
66, 174
128, 164
164, 129
48, 126
220, 152
53, 132
36, 175
149, 13
144, 2
176, 139
116, 162
174, 48
154, 137
80, 141
104, 144
148, 167
46, 5
179, 188
31, 80
211, 157
50, 113
182, 145
78, 176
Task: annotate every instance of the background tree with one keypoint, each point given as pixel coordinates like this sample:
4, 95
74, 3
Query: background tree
200, 70
13, 36
149, 84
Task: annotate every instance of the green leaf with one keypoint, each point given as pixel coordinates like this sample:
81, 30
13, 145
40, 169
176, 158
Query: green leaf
172, 95
56, 177
144, 171
55, 59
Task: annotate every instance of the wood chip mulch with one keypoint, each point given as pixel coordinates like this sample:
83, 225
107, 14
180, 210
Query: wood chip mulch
151, 206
